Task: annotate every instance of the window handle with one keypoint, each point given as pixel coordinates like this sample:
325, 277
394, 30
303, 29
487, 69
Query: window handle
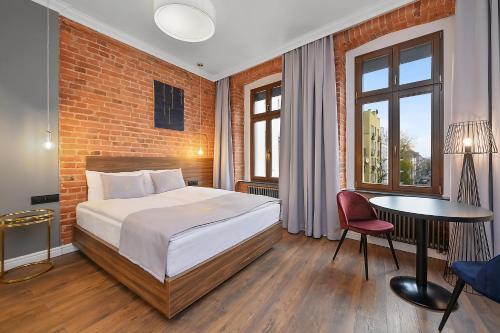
268, 155
395, 79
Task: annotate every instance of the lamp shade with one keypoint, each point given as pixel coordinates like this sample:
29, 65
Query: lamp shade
470, 137
186, 20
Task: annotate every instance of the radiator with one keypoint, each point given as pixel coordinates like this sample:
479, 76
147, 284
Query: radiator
404, 227
404, 231
270, 191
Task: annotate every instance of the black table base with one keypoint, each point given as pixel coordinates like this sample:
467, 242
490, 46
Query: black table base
432, 296
417, 290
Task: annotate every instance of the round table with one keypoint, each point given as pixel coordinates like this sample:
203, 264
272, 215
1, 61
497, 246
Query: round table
22, 219
418, 290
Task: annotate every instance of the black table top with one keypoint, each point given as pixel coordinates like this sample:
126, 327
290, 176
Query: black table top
432, 209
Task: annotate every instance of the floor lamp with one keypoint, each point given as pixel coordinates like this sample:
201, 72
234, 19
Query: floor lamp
468, 241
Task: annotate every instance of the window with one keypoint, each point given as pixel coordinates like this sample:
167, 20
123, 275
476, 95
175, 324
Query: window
399, 126
265, 132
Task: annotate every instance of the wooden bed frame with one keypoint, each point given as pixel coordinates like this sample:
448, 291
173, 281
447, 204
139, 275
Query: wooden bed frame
178, 292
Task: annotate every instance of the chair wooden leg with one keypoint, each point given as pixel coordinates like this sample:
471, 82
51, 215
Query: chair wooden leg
340, 244
392, 249
453, 301
360, 243
365, 251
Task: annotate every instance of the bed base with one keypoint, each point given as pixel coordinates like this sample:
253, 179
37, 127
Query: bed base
178, 292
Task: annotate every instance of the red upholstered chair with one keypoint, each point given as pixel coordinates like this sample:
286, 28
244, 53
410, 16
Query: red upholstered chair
356, 214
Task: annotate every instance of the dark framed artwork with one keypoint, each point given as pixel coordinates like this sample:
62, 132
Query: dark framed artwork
169, 106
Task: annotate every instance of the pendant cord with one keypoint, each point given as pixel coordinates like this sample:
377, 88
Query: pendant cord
48, 67
200, 112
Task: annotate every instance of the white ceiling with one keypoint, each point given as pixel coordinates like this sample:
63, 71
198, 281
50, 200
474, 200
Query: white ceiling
247, 32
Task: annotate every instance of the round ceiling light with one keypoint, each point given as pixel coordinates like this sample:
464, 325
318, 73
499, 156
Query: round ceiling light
186, 20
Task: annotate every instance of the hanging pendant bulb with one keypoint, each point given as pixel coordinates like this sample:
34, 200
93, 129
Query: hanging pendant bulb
200, 150
48, 144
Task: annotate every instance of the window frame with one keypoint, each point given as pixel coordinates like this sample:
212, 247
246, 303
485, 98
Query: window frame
392, 94
266, 116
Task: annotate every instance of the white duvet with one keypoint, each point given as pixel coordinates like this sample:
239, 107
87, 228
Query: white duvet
119, 209
103, 218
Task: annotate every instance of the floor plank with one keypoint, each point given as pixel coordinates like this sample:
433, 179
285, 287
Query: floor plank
295, 287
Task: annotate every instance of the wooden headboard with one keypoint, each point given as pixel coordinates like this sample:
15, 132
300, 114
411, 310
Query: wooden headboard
200, 169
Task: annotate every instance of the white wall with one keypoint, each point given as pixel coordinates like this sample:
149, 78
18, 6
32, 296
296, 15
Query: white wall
471, 88
447, 25
496, 124
27, 168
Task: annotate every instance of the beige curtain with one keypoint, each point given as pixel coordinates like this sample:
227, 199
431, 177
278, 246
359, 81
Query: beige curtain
309, 147
495, 116
223, 143
476, 95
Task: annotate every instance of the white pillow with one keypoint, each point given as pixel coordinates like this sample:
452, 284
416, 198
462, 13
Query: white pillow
95, 187
167, 180
123, 187
150, 187
148, 182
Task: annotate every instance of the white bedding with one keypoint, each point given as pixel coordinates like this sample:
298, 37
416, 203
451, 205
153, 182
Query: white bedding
103, 218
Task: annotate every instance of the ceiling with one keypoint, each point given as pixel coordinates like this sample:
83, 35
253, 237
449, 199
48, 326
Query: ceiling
247, 32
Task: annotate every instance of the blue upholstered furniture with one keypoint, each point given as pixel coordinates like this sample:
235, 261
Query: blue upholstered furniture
482, 276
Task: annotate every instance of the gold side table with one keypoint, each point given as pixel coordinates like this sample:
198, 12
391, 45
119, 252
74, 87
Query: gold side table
18, 220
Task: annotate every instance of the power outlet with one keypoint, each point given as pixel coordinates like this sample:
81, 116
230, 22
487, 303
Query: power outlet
44, 199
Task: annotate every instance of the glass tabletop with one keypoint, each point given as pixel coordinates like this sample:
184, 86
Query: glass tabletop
26, 217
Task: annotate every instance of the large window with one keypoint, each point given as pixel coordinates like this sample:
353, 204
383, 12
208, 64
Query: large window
265, 132
399, 117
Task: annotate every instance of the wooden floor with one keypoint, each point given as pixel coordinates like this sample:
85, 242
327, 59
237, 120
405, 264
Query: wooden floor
292, 288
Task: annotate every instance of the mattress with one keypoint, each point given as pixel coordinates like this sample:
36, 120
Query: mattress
189, 248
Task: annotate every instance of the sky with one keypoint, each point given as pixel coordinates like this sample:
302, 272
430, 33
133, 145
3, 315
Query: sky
415, 111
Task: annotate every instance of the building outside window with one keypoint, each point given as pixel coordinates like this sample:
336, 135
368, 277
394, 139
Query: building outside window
265, 132
399, 111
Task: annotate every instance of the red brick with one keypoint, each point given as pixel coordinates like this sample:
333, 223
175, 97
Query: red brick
419, 12
106, 108
106, 96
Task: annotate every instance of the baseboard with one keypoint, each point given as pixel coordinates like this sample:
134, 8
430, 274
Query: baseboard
397, 245
68, 248
37, 256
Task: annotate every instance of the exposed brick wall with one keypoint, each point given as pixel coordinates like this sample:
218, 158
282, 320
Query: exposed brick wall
416, 13
106, 98
419, 12
106, 108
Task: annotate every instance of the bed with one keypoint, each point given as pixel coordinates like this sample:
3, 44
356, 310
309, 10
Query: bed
198, 260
